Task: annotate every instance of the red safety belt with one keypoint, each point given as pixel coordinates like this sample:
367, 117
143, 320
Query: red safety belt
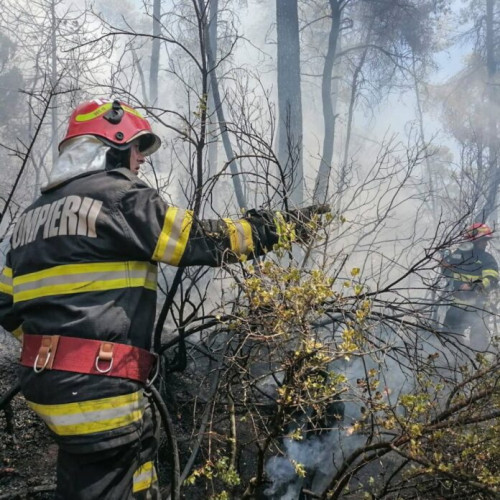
93, 357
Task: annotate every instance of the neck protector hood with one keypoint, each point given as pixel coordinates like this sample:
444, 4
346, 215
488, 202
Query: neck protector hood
81, 155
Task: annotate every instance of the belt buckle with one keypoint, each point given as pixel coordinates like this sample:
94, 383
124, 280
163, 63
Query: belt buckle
150, 381
40, 369
105, 355
46, 353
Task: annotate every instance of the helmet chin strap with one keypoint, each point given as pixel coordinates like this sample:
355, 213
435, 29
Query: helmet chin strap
116, 158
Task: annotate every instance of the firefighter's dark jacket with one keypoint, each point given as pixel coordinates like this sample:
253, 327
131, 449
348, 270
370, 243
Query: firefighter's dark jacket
83, 263
474, 267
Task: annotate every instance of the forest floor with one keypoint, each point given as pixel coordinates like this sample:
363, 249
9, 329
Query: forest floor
27, 453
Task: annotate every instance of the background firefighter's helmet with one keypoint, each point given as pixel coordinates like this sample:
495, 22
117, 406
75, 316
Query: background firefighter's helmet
114, 123
478, 231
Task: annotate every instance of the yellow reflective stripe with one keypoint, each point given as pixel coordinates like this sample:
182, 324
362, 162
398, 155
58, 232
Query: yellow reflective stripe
87, 406
132, 111
86, 417
94, 114
465, 302
72, 269
82, 278
466, 277
6, 281
492, 273
18, 332
84, 287
174, 236
103, 109
93, 427
240, 236
486, 282
233, 235
247, 236
144, 477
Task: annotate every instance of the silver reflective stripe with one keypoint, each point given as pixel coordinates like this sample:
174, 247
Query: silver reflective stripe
174, 236
6, 281
152, 274
240, 236
81, 278
91, 416
144, 477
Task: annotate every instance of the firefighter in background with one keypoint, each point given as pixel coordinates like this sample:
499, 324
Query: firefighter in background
473, 274
79, 286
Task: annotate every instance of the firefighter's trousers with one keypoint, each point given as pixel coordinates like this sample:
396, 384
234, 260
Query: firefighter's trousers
460, 317
120, 473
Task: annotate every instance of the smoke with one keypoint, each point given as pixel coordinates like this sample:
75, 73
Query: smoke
320, 456
313, 455
281, 472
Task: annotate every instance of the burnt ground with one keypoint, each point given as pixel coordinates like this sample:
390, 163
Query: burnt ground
27, 453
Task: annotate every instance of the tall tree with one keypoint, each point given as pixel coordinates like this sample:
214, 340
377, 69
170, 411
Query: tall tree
469, 100
325, 166
155, 54
492, 41
211, 126
289, 99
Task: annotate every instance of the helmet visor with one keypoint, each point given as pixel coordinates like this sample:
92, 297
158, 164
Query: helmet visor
148, 143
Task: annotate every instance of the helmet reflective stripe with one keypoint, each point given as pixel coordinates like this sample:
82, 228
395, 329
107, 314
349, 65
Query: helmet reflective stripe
477, 231
94, 114
103, 109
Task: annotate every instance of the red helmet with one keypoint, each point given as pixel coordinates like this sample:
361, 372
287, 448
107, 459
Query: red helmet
114, 123
478, 231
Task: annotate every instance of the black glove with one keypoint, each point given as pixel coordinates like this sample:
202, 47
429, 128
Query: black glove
266, 222
304, 219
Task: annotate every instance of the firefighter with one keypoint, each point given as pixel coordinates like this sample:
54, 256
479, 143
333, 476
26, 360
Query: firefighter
79, 286
473, 274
